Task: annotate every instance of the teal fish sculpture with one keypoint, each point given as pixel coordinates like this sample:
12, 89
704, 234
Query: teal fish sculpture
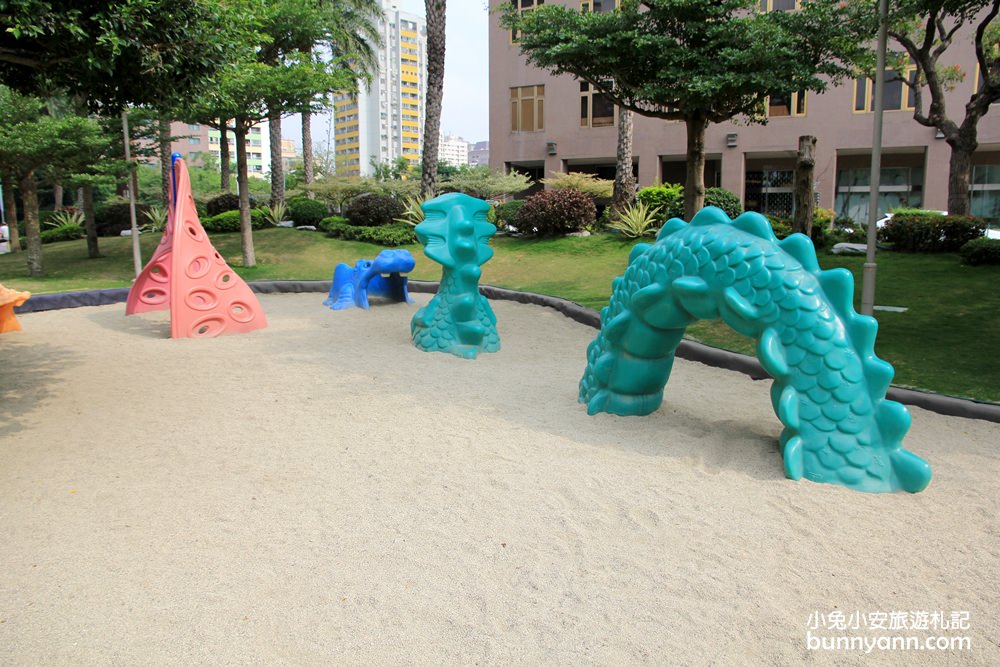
829, 387
458, 320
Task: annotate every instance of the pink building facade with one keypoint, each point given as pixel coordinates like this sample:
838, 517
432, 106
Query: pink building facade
540, 124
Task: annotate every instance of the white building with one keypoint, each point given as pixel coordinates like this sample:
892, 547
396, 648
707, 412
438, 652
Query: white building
384, 122
453, 150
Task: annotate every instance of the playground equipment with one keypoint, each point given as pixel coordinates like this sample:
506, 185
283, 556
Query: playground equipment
9, 300
458, 319
371, 277
829, 387
187, 275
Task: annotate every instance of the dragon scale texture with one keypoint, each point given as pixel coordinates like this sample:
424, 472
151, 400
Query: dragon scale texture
829, 387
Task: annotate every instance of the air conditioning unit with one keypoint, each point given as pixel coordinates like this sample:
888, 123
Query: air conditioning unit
550, 147
731, 140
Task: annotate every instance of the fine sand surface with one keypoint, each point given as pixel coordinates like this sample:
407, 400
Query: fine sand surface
322, 493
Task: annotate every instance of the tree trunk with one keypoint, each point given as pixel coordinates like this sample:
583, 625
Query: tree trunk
624, 192
307, 152
165, 161
805, 168
90, 221
224, 156
435, 11
10, 216
32, 229
277, 168
246, 231
694, 183
57, 193
959, 173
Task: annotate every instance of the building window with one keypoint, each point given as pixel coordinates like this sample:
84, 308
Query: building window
194, 127
985, 201
596, 109
598, 6
898, 95
898, 187
194, 140
787, 104
779, 5
523, 6
527, 109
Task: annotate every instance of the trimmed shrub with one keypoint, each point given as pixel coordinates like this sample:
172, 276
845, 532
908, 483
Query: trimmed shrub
374, 210
395, 234
923, 231
326, 224
981, 251
227, 201
725, 200
506, 213
114, 217
67, 232
668, 199
229, 221
305, 211
556, 212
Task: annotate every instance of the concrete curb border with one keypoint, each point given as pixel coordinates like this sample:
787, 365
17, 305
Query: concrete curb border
690, 350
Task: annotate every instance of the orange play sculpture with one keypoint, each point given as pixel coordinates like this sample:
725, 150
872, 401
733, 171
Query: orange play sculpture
186, 274
10, 299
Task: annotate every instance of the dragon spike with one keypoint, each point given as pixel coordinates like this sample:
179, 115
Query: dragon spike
772, 355
801, 248
838, 284
863, 330
711, 215
879, 374
696, 298
794, 458
739, 313
913, 472
754, 223
669, 227
788, 408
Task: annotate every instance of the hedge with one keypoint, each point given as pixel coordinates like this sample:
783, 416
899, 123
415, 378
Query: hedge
927, 231
395, 234
981, 251
229, 221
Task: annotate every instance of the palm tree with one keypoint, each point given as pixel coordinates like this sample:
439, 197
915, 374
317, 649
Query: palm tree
348, 30
435, 10
624, 192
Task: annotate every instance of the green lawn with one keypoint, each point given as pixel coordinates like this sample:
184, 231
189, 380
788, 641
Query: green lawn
944, 342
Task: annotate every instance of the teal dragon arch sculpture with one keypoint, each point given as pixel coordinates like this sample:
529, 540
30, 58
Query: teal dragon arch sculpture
829, 387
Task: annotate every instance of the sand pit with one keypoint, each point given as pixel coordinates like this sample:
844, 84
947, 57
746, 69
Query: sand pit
320, 493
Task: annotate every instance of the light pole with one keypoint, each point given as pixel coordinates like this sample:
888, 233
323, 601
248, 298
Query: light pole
868, 279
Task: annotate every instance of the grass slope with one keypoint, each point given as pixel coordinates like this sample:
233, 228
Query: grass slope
944, 342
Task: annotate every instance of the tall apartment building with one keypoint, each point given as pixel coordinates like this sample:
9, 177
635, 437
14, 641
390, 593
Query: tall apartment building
541, 123
384, 122
193, 141
479, 153
453, 150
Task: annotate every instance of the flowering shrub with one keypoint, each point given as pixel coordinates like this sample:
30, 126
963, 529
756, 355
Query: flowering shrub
554, 212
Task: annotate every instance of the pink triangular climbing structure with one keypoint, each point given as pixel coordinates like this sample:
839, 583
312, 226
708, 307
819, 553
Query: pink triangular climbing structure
186, 274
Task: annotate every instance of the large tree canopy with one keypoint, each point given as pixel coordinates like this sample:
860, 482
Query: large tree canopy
113, 54
699, 61
925, 32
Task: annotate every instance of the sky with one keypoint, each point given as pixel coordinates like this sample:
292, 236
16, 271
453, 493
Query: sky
465, 111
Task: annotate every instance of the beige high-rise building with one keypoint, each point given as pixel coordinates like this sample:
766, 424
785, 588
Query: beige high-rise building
541, 123
385, 122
